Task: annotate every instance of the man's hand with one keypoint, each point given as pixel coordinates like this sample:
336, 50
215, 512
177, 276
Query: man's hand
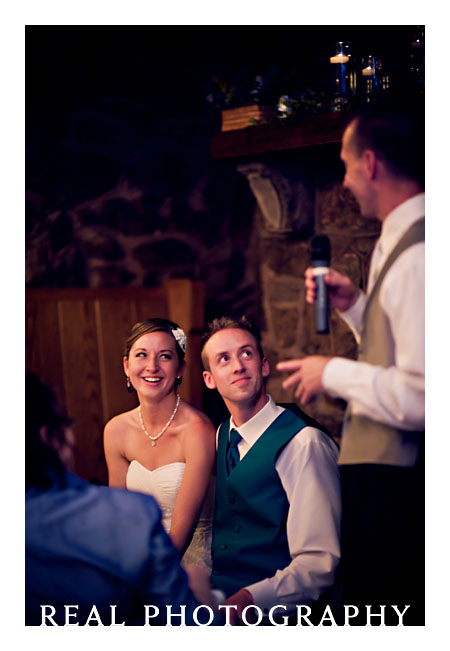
307, 376
242, 598
342, 293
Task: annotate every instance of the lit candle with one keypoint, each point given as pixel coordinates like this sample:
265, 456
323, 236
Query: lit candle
339, 58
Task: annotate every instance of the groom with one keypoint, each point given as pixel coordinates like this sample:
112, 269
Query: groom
277, 515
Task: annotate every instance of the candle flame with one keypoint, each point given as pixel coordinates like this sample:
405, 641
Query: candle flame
339, 58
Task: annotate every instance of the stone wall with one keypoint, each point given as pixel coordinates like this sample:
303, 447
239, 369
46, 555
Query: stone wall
288, 329
115, 220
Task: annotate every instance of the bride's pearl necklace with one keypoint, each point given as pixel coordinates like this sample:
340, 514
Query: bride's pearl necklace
155, 438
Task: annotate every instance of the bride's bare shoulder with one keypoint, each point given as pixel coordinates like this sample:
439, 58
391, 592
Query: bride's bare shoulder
120, 423
197, 421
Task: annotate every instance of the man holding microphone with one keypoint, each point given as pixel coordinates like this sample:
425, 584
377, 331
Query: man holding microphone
382, 446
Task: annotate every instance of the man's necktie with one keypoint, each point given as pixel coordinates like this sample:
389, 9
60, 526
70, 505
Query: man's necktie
233, 452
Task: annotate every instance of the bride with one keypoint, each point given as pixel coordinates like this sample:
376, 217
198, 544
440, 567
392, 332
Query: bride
164, 446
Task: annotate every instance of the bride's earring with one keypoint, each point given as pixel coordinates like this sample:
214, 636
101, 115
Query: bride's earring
129, 385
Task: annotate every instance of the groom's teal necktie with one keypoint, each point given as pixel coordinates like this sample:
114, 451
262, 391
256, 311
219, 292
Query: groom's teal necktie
233, 452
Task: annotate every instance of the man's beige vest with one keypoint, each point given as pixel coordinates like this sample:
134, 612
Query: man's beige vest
365, 440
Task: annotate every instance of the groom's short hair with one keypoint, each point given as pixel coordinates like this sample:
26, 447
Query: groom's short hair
228, 322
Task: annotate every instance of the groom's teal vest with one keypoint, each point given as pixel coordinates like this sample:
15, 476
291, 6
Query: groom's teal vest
249, 533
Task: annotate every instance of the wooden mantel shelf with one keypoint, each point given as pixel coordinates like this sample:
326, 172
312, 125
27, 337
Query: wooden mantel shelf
314, 130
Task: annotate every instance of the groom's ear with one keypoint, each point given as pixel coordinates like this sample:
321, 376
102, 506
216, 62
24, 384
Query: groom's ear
208, 379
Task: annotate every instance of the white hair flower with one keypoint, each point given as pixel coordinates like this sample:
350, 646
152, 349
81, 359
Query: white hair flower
180, 337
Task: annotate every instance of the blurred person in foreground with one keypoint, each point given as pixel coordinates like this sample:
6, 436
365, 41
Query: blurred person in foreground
92, 546
382, 446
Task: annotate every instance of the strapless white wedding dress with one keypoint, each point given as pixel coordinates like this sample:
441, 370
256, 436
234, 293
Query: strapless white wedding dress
163, 483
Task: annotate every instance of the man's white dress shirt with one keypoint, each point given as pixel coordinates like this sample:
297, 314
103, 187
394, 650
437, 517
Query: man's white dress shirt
309, 474
395, 395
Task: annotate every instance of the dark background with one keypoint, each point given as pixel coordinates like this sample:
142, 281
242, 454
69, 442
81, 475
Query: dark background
106, 104
168, 67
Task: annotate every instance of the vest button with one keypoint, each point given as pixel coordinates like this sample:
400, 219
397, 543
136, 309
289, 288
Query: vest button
222, 547
237, 527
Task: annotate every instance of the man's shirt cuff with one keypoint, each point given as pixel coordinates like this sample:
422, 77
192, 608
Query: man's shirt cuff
264, 595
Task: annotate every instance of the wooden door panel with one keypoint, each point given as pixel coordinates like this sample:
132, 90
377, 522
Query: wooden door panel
82, 382
114, 319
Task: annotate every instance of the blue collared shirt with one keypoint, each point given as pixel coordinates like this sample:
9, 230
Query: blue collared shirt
96, 546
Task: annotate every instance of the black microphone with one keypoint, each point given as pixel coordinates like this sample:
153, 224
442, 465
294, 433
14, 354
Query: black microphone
320, 261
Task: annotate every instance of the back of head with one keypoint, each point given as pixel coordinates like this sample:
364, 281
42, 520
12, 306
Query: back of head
44, 418
396, 135
227, 322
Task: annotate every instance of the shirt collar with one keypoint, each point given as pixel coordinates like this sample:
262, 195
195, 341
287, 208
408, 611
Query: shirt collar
400, 219
257, 425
